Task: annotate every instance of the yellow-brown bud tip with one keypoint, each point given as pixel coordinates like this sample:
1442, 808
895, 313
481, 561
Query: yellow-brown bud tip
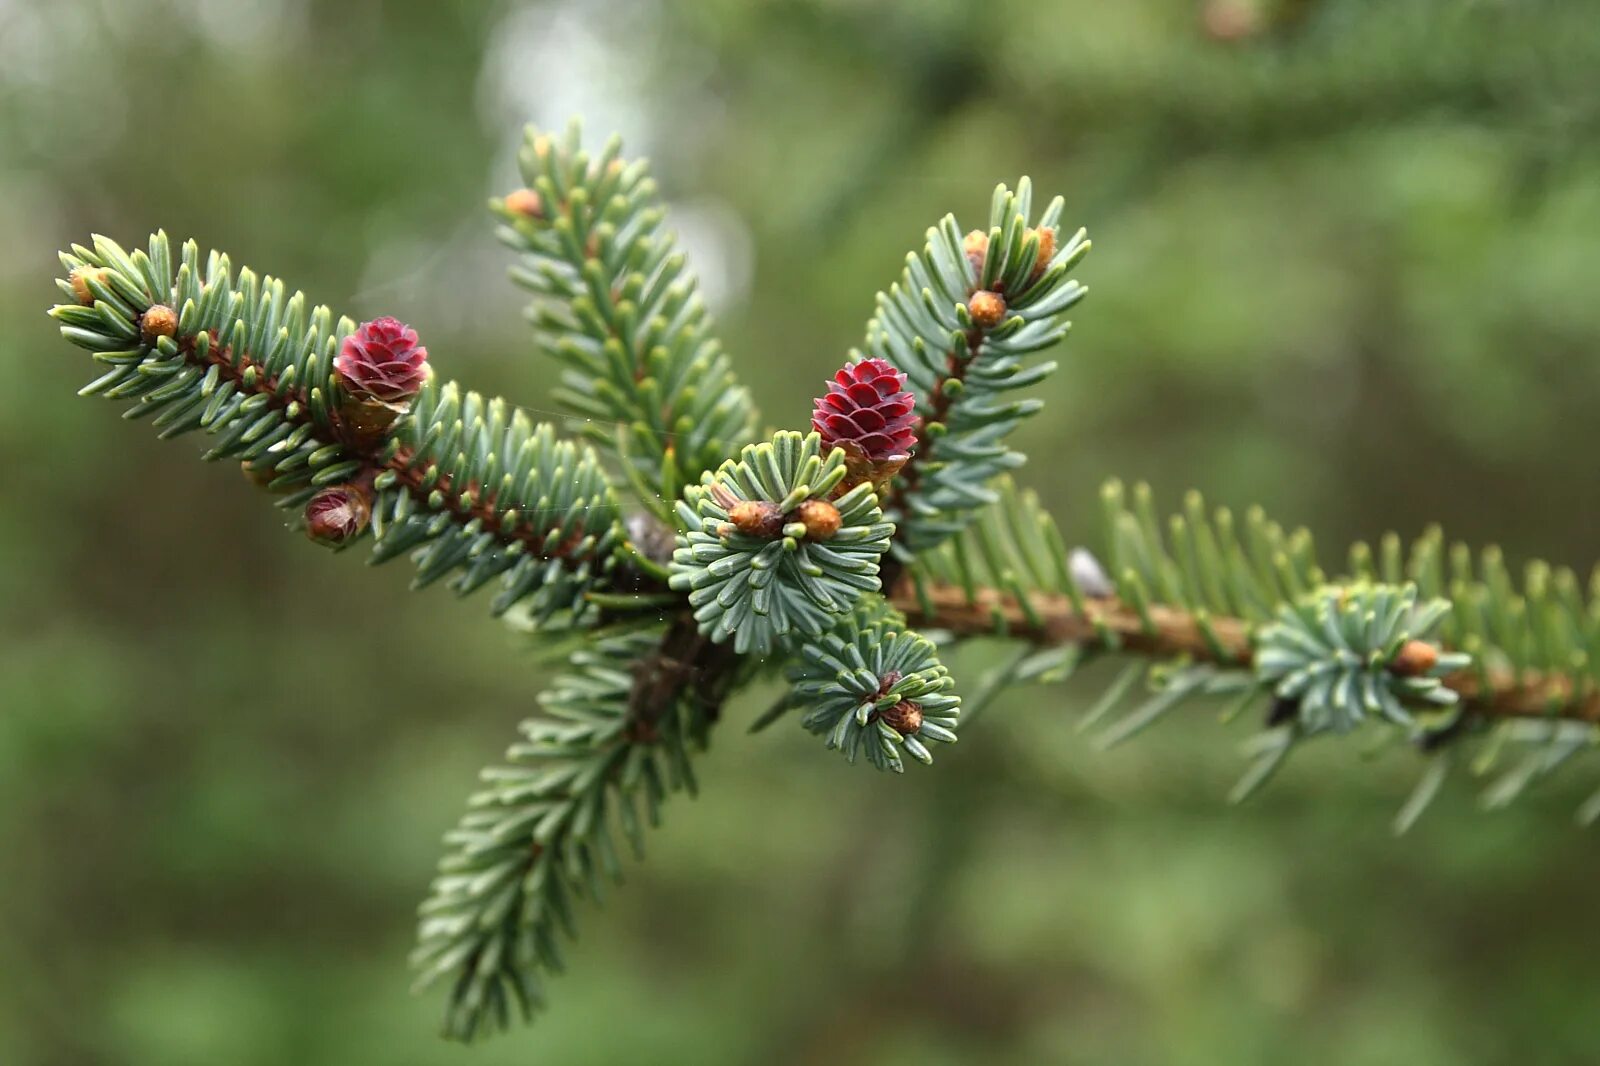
79, 279
525, 202
259, 478
988, 308
820, 518
1414, 659
159, 321
976, 246
1230, 21
1047, 251
757, 518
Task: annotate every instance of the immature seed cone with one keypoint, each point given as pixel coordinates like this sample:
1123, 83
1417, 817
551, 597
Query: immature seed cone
159, 321
757, 518
80, 278
904, 717
338, 515
382, 361
868, 412
525, 202
988, 308
1414, 659
820, 518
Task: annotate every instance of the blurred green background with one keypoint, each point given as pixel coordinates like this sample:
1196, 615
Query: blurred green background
1346, 265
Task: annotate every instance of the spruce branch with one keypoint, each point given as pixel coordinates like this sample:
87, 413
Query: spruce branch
959, 322
617, 305
778, 549
482, 492
1434, 646
1173, 633
773, 545
873, 686
472, 489
1202, 589
547, 829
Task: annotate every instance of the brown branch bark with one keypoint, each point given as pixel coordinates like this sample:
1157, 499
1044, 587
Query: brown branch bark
366, 443
1174, 632
909, 478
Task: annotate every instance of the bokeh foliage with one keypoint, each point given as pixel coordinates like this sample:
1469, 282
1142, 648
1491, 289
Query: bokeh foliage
1343, 268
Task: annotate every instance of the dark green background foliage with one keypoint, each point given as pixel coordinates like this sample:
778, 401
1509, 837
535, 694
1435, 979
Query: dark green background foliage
1344, 268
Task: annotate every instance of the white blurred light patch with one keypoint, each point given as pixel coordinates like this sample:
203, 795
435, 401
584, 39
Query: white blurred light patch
719, 247
548, 62
261, 26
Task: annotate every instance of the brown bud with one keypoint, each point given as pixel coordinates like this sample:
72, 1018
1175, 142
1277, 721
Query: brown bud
259, 478
525, 202
80, 278
338, 515
820, 518
988, 308
1414, 659
1047, 251
757, 518
976, 245
904, 717
159, 321
1230, 21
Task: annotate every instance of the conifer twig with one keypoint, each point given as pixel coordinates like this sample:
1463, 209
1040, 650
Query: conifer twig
1173, 632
